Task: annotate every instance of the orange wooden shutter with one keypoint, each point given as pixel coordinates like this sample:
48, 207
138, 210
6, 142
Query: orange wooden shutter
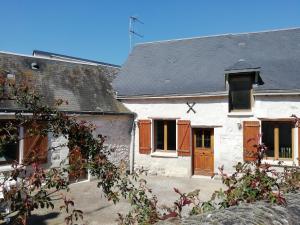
184, 137
250, 139
35, 146
145, 136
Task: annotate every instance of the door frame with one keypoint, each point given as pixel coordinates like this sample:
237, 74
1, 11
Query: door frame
212, 147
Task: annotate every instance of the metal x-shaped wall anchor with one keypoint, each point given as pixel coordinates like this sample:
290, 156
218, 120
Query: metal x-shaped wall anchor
191, 105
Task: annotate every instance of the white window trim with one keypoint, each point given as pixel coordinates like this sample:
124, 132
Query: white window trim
295, 143
155, 153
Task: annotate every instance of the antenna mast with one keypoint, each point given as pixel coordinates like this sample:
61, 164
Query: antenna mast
132, 32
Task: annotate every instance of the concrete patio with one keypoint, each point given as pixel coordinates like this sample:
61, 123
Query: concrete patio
97, 210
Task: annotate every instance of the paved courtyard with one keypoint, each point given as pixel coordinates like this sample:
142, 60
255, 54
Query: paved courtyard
97, 210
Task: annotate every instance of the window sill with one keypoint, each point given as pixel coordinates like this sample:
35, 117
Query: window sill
164, 154
285, 162
240, 113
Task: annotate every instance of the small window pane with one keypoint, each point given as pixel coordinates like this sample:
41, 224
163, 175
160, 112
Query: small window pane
206, 139
171, 134
285, 140
9, 152
240, 99
203, 138
159, 134
268, 137
198, 139
240, 92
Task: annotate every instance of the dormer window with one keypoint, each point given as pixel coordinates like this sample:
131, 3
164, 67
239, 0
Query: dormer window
240, 78
240, 92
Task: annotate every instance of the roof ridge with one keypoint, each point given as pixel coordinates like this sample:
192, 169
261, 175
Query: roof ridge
217, 35
53, 59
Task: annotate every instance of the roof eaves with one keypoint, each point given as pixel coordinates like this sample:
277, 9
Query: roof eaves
206, 94
210, 94
71, 58
9, 110
233, 71
277, 92
51, 59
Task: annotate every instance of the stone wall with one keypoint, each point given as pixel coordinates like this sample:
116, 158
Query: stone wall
260, 213
116, 128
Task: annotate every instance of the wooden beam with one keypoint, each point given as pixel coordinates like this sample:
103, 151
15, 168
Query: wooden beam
293, 145
276, 143
165, 135
202, 135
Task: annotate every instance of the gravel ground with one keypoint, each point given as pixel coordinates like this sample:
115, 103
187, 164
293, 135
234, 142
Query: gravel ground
97, 210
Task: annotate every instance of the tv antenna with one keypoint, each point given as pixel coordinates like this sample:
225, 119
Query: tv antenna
132, 33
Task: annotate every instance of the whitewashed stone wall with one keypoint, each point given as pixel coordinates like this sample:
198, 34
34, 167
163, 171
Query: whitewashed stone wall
116, 128
210, 111
58, 154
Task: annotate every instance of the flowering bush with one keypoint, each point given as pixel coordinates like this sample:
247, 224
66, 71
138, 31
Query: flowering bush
28, 186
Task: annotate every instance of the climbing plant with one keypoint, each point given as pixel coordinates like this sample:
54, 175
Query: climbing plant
28, 185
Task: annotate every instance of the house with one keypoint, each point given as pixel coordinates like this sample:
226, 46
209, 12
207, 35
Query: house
201, 102
85, 85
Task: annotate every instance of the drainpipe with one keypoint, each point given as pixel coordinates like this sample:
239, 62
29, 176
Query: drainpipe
132, 145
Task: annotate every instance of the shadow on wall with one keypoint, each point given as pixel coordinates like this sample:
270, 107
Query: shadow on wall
42, 219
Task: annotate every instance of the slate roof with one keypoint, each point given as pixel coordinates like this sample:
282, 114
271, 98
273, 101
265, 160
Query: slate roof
197, 65
242, 65
86, 87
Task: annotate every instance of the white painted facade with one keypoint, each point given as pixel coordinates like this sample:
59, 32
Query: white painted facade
210, 112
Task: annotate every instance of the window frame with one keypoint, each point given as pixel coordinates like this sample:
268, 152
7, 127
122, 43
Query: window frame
203, 139
276, 134
153, 137
251, 97
7, 164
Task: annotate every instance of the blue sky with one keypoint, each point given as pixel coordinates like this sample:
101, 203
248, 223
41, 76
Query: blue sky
99, 29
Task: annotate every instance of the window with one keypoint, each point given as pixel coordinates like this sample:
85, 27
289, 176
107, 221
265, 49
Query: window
278, 137
203, 138
165, 135
9, 149
240, 87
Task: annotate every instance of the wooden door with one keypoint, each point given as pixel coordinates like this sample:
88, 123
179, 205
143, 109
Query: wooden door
203, 152
77, 170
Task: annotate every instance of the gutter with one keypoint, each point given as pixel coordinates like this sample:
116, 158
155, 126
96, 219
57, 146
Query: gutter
212, 94
82, 62
276, 93
72, 112
132, 145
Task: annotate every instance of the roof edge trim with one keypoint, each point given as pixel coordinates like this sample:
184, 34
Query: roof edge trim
9, 110
212, 94
218, 35
53, 59
39, 53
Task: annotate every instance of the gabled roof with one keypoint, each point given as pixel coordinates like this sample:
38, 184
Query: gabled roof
197, 65
86, 87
